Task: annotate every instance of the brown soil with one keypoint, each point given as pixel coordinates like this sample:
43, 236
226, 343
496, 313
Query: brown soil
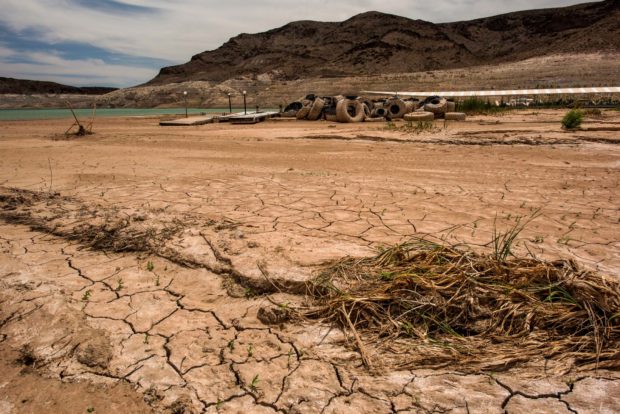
26, 389
165, 260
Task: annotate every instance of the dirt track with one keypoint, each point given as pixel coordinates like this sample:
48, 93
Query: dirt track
245, 214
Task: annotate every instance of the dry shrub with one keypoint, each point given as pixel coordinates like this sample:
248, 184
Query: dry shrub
97, 227
461, 305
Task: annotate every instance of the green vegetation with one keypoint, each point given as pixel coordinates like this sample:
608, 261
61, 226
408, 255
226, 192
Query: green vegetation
254, 382
474, 106
86, 295
150, 266
572, 119
390, 125
502, 242
420, 126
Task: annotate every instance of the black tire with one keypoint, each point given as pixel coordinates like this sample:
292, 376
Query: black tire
368, 104
396, 108
419, 116
316, 109
289, 114
303, 112
331, 117
350, 110
437, 107
294, 106
378, 113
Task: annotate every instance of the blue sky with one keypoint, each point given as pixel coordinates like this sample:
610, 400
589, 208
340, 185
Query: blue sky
125, 42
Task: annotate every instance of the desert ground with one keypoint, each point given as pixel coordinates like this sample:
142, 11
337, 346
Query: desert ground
146, 268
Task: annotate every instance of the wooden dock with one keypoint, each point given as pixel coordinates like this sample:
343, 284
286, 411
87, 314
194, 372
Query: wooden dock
235, 118
251, 118
192, 120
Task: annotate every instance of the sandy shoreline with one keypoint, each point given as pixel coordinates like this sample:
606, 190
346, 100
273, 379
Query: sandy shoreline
289, 196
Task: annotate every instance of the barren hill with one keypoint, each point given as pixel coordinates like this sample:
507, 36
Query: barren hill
27, 87
379, 43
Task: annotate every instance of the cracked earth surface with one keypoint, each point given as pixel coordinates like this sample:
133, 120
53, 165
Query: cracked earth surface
255, 211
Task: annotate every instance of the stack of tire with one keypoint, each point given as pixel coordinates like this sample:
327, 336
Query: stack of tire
350, 108
332, 108
435, 107
392, 108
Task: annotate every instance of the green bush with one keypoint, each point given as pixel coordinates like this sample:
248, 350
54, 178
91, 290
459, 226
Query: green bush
573, 119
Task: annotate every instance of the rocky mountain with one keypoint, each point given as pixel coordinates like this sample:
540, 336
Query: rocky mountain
378, 43
30, 87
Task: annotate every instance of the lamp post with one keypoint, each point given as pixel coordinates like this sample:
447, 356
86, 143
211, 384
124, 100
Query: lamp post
229, 104
185, 99
245, 108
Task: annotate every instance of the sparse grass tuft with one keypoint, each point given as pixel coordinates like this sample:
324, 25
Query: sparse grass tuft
254, 383
86, 295
150, 266
419, 127
502, 242
390, 126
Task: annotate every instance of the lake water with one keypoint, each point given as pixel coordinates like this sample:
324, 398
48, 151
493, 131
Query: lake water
27, 114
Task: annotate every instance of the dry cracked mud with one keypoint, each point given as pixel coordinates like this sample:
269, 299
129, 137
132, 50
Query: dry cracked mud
147, 269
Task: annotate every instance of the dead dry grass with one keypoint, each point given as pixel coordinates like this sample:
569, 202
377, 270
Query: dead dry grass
470, 307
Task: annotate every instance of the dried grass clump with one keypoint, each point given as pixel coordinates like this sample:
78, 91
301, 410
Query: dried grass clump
472, 305
98, 227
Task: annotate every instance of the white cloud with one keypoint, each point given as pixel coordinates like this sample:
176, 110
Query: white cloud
84, 72
185, 27
182, 28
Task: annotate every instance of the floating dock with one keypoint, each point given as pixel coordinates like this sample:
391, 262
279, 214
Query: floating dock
192, 120
236, 118
251, 118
